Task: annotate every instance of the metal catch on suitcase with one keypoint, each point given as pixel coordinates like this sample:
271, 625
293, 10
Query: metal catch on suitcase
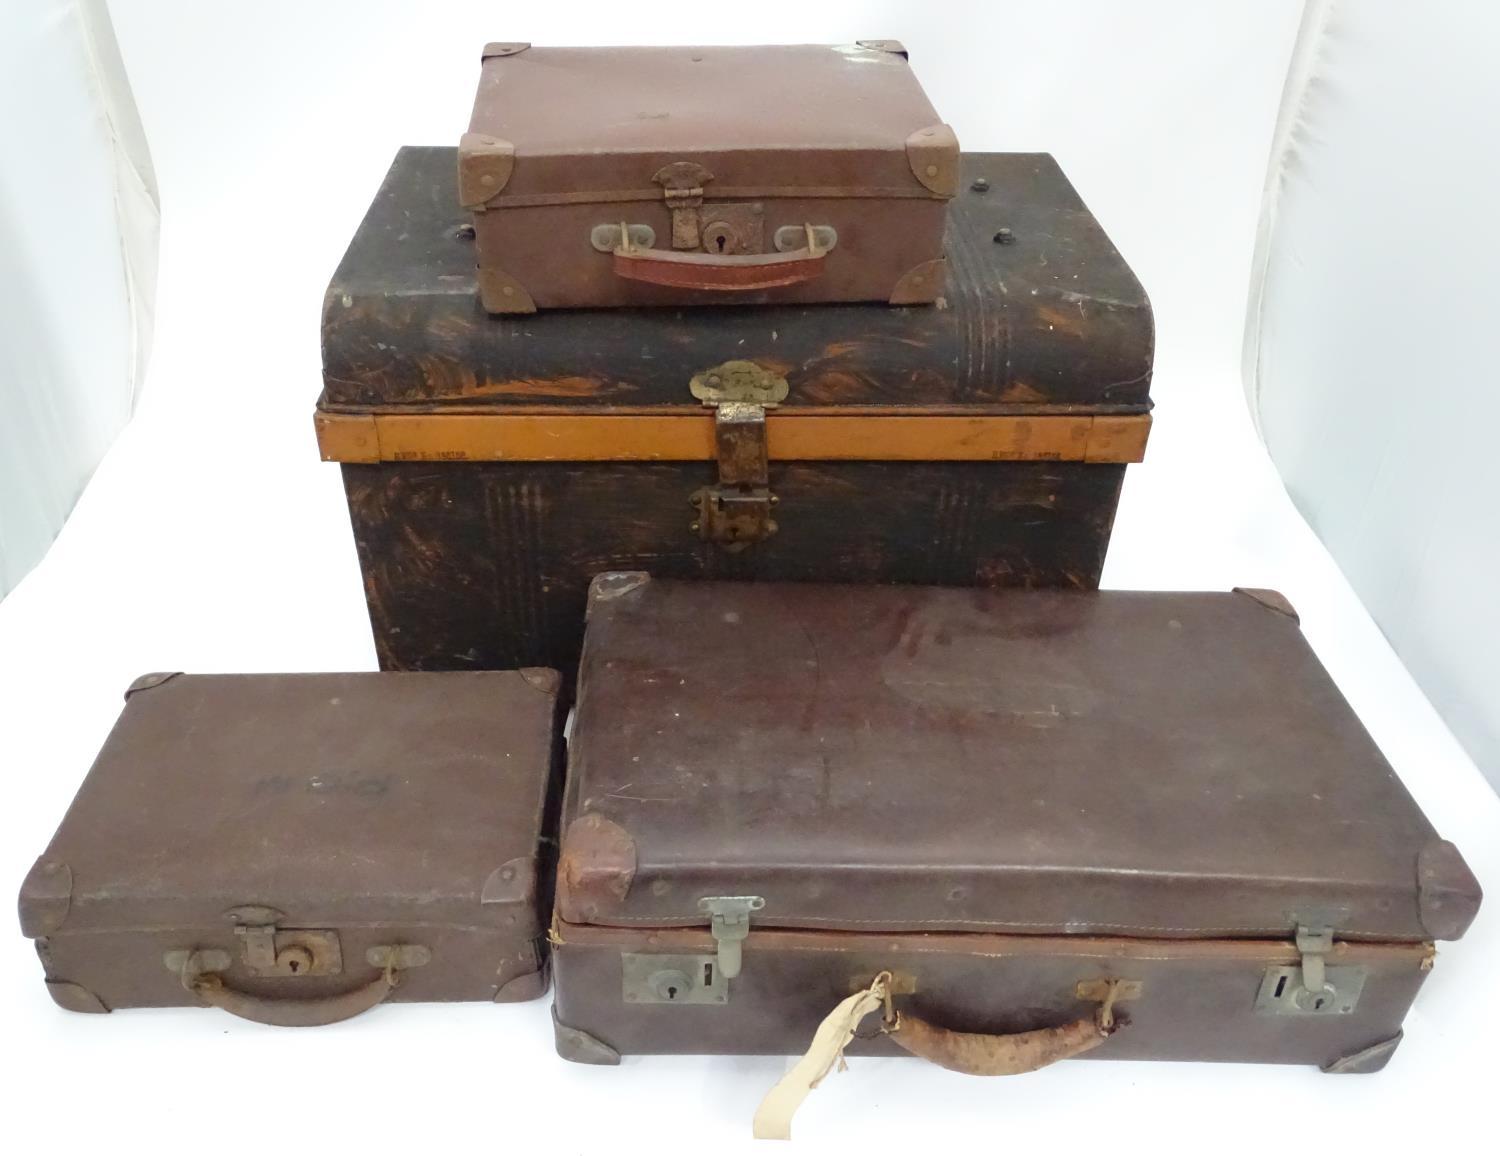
1020, 825
671, 176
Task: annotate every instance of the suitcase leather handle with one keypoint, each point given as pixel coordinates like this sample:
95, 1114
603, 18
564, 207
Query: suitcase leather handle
979, 1054
209, 986
973, 1053
715, 272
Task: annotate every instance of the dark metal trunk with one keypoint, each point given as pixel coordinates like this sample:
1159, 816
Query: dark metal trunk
493, 465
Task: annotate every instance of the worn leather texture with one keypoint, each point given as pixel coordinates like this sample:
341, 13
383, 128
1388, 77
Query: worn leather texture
1197, 999
388, 809
808, 134
1159, 766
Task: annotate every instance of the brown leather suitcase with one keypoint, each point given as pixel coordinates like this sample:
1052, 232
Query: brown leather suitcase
295, 849
691, 176
493, 465
1142, 824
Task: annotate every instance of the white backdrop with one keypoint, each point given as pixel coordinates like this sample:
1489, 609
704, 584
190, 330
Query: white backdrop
213, 539
78, 229
1370, 348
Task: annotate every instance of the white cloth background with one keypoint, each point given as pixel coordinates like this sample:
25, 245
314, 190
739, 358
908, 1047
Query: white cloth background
78, 234
226, 546
1370, 354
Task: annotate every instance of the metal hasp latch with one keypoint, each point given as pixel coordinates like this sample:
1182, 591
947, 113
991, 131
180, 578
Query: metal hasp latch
1311, 987
729, 923
269, 950
1313, 944
737, 510
682, 188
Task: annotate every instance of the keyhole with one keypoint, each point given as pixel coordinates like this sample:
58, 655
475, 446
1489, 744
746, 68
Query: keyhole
296, 960
1318, 1003
671, 993
719, 242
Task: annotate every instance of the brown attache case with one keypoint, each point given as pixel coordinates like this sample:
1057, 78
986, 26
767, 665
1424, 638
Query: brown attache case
297, 848
1145, 824
689, 176
493, 465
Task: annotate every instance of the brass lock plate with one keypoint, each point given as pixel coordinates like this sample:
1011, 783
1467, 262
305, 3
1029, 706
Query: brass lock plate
727, 229
733, 518
688, 979
739, 381
291, 952
1282, 992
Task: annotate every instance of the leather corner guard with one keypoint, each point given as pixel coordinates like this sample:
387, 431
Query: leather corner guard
75, 997
1364, 1061
512, 882
1271, 600
541, 678
614, 584
581, 1048
484, 167
933, 156
46, 897
921, 285
499, 292
595, 869
148, 681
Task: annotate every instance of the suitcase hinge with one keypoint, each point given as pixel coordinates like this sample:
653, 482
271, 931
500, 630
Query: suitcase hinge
729, 924
737, 510
682, 188
1312, 987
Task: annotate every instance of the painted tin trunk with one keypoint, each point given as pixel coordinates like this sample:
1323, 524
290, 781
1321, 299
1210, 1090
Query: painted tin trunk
493, 465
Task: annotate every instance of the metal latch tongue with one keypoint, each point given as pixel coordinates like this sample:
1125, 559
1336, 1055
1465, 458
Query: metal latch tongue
737, 510
729, 924
1314, 944
269, 949
1311, 987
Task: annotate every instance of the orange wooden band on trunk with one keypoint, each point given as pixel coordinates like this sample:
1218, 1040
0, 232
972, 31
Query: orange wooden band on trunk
689, 437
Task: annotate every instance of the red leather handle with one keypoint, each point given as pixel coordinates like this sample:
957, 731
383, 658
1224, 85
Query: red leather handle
715, 273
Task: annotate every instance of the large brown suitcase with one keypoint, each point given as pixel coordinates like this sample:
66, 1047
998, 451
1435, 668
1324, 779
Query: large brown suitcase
685, 176
297, 848
1008, 801
494, 464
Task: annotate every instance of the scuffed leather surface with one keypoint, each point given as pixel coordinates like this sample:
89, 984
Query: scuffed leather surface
1153, 765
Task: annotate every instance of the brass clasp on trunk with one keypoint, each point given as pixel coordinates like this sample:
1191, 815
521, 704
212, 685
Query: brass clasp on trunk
736, 511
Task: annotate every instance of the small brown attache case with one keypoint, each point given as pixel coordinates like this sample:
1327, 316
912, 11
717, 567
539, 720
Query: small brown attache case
1146, 822
297, 848
493, 465
693, 176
